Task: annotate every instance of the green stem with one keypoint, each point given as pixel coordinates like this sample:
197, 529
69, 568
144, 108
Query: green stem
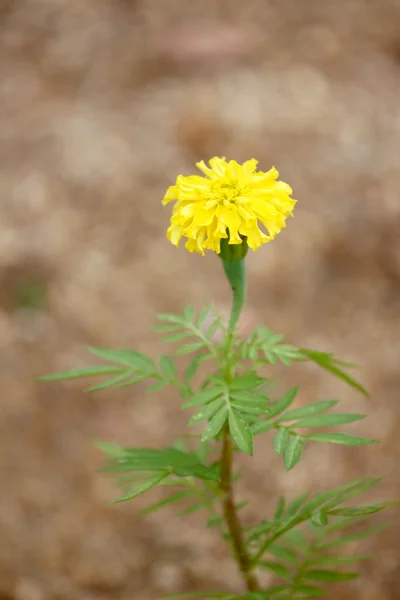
236, 274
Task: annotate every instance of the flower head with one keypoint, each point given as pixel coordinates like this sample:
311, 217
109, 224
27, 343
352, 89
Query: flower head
228, 201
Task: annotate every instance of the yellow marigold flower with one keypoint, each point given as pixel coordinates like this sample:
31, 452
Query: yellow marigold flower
228, 201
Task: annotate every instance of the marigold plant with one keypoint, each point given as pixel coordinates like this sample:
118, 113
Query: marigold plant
227, 210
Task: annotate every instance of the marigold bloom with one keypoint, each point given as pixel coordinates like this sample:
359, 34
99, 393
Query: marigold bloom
228, 201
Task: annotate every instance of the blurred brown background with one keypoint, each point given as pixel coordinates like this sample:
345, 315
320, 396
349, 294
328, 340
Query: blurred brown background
103, 102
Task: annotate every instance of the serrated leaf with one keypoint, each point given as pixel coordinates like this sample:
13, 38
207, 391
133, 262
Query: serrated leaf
262, 426
281, 440
140, 488
297, 539
280, 508
329, 363
339, 438
306, 411
216, 424
165, 502
328, 420
177, 337
207, 411
108, 383
319, 519
191, 509
325, 575
158, 385
282, 553
309, 591
283, 403
188, 348
340, 494
192, 368
171, 318
189, 313
84, 372
292, 452
337, 561
171, 460
203, 397
110, 449
204, 313
212, 329
167, 366
296, 504
354, 537
130, 358
251, 409
166, 328
246, 382
356, 511
277, 568
241, 433
250, 397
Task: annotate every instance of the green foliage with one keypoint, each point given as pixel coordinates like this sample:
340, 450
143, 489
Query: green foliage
304, 544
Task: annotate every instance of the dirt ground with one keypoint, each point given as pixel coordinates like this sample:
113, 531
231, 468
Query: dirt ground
102, 104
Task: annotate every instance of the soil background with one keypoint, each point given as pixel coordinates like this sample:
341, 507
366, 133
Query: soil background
103, 103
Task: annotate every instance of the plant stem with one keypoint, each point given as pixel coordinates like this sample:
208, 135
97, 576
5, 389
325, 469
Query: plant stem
231, 517
236, 275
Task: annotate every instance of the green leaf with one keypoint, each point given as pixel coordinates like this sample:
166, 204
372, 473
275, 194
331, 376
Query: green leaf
325, 575
339, 438
171, 460
309, 591
283, 403
328, 420
356, 511
246, 382
216, 424
241, 433
340, 494
292, 452
296, 504
203, 396
165, 502
329, 363
188, 348
167, 366
337, 561
189, 313
141, 488
262, 426
177, 337
109, 382
280, 508
84, 372
281, 440
277, 568
166, 328
248, 408
130, 358
110, 449
282, 553
354, 537
207, 411
297, 539
249, 396
193, 366
158, 385
319, 519
306, 411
